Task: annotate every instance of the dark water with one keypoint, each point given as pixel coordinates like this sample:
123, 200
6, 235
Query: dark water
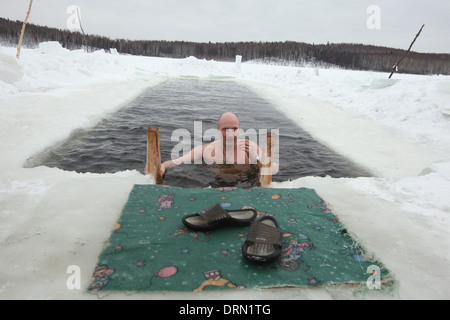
119, 143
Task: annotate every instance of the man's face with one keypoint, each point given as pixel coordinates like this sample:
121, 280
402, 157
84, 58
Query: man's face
229, 130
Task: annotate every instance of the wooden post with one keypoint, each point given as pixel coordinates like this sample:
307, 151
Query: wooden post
153, 165
265, 172
84, 36
23, 30
394, 68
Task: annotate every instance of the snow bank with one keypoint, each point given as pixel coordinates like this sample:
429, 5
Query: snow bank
399, 129
52, 67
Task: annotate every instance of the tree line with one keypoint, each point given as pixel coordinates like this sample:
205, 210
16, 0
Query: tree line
343, 55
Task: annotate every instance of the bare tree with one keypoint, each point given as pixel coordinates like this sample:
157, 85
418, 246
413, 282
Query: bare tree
23, 30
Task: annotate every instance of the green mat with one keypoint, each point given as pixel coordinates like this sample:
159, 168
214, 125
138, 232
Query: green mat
151, 250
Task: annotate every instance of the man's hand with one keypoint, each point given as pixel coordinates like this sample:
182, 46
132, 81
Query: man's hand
251, 149
164, 166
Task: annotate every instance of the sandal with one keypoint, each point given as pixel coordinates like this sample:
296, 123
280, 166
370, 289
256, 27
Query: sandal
215, 216
263, 241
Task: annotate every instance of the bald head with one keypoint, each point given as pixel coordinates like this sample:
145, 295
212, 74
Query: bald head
228, 120
228, 126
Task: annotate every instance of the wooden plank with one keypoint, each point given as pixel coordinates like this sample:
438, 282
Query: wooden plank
265, 171
19, 46
153, 165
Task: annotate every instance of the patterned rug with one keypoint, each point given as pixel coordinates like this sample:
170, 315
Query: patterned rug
151, 250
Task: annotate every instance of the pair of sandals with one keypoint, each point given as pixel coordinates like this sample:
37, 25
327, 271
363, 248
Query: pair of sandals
263, 241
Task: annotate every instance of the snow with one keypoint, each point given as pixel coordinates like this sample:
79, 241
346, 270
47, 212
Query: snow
398, 128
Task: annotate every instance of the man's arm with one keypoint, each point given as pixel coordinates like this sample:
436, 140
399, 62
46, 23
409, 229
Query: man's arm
194, 154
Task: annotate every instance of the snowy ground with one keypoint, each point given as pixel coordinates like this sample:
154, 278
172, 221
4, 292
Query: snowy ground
399, 129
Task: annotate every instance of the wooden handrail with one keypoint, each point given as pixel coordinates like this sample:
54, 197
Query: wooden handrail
153, 165
265, 171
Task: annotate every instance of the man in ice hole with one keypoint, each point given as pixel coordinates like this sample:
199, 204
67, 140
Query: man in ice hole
230, 151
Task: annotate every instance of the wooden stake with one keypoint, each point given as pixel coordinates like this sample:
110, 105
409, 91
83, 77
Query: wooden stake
394, 68
23, 30
81, 27
265, 172
153, 165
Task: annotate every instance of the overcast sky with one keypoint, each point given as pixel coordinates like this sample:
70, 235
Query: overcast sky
392, 23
